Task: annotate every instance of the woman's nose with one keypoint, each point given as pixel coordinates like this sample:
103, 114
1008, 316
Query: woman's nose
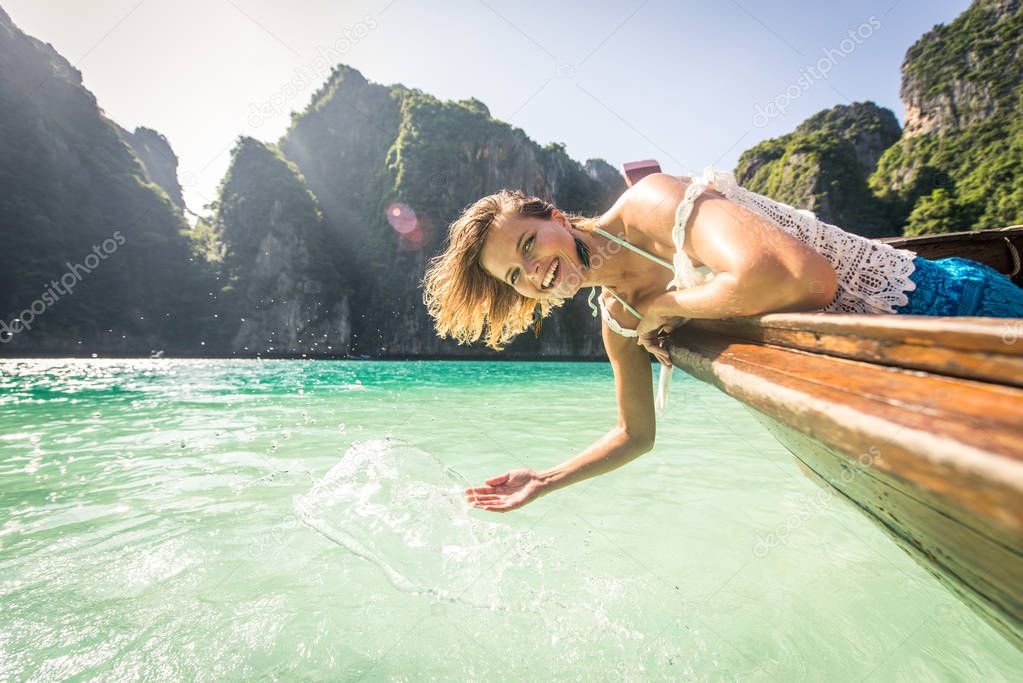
534, 268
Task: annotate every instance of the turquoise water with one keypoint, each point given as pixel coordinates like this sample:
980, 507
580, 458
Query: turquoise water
303, 520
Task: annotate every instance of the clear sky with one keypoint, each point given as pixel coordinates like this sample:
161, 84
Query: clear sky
687, 83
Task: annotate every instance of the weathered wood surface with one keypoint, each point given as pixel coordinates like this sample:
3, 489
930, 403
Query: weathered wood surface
986, 349
936, 460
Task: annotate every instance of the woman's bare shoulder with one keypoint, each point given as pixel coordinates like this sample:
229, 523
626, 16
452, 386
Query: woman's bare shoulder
654, 198
647, 209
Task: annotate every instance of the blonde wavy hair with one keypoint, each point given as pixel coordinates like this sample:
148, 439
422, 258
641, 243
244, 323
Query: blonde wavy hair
465, 301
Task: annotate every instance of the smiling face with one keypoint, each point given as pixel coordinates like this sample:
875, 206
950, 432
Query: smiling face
536, 256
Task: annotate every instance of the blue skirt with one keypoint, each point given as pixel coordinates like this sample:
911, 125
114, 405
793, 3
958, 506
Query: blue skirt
957, 286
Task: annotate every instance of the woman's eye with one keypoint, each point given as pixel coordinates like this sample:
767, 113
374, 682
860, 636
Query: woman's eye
529, 243
515, 277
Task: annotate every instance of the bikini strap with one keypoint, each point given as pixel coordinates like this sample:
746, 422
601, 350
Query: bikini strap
593, 290
627, 306
664, 382
613, 324
685, 272
629, 245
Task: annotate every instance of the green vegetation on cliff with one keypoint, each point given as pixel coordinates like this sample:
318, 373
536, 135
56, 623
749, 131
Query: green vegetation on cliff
960, 164
824, 164
968, 179
980, 47
264, 196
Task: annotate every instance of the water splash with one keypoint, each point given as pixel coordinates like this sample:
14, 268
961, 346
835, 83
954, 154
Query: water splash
400, 508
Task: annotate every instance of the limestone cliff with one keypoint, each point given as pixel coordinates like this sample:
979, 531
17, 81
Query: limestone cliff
158, 159
283, 277
958, 165
368, 151
824, 165
966, 72
322, 258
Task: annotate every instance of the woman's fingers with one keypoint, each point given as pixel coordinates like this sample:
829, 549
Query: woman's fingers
657, 351
481, 489
497, 480
494, 507
486, 499
497, 507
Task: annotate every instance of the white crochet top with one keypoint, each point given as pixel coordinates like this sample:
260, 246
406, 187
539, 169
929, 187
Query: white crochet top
873, 277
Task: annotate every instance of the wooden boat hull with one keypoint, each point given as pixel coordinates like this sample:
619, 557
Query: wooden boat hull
944, 546
915, 420
935, 461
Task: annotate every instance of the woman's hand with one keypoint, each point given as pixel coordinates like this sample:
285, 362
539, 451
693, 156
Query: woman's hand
507, 492
653, 331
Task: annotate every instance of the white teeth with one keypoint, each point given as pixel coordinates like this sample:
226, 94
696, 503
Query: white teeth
550, 274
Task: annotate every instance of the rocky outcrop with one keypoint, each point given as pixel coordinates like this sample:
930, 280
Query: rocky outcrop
283, 275
965, 73
607, 175
158, 159
957, 165
868, 128
824, 165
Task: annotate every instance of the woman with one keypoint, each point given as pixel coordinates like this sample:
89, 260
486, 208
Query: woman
726, 251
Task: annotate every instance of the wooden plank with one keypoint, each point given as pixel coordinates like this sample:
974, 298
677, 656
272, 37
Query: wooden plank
986, 349
936, 461
961, 237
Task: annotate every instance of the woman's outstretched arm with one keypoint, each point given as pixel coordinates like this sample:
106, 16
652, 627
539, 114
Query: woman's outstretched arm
631, 437
637, 426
